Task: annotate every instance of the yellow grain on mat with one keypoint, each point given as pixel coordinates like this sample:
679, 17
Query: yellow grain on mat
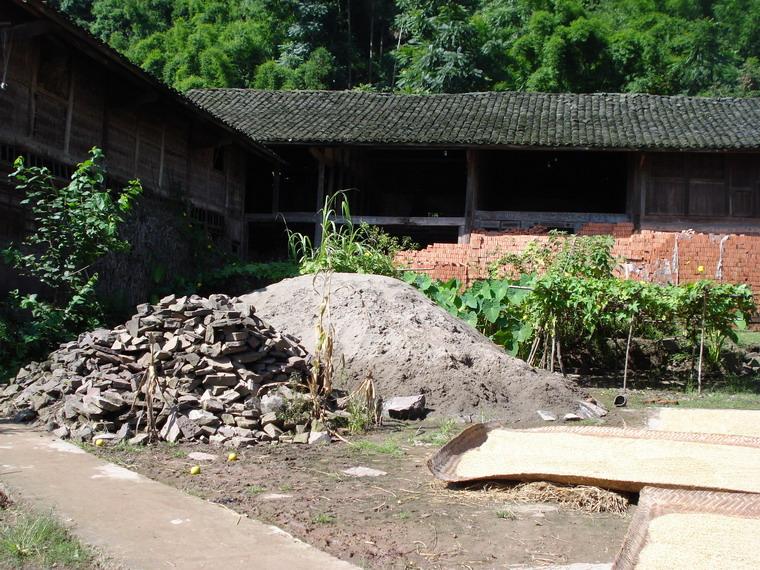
699, 541
729, 422
612, 462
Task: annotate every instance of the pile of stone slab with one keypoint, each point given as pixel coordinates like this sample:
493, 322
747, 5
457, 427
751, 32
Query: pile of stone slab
222, 375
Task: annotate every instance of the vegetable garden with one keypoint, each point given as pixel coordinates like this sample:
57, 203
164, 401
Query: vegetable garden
560, 296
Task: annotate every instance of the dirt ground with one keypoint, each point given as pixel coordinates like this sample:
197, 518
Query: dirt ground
403, 519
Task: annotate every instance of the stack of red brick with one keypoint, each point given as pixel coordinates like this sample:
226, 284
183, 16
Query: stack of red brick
659, 256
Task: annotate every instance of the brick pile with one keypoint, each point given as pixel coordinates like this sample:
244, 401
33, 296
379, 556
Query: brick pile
223, 377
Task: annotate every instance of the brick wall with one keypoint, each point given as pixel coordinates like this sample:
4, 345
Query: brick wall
657, 256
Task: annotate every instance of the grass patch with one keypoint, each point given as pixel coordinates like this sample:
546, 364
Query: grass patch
323, 518
130, 448
31, 540
506, 514
286, 487
739, 393
404, 515
254, 489
441, 436
368, 447
748, 338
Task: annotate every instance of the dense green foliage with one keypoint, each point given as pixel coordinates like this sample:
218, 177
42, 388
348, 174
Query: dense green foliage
654, 46
346, 247
567, 297
75, 225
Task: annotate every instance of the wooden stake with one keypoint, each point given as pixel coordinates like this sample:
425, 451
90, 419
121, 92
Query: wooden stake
701, 345
559, 358
551, 359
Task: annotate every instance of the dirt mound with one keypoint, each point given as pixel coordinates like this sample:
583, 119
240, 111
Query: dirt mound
411, 345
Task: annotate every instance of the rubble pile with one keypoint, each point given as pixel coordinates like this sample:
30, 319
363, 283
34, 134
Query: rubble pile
222, 375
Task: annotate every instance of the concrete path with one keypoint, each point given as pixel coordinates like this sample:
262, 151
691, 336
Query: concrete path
138, 522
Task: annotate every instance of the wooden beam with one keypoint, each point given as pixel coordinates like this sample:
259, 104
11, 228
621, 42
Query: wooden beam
162, 155
495, 219
310, 217
643, 175
471, 195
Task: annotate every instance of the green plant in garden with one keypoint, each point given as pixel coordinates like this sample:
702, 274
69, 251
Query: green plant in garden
492, 306
75, 225
582, 256
568, 298
345, 247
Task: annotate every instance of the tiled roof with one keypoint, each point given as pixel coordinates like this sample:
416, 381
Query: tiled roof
600, 120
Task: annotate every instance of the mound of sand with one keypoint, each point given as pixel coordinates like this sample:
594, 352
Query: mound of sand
413, 346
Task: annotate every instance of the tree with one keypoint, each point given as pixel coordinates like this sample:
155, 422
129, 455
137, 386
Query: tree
440, 54
75, 225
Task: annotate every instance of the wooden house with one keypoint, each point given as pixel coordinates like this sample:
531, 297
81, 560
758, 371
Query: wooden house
439, 167
64, 92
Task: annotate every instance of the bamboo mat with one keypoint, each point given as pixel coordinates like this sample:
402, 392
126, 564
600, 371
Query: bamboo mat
614, 458
698, 530
727, 422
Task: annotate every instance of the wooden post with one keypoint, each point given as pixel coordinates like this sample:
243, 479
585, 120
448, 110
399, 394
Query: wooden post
162, 156
320, 202
643, 186
471, 196
69, 109
275, 191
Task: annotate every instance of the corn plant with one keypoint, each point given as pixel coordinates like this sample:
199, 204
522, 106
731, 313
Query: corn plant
345, 247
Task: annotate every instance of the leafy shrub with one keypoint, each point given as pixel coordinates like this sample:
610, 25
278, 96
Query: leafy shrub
581, 256
75, 225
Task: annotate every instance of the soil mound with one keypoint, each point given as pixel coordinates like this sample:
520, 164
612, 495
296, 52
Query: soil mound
412, 346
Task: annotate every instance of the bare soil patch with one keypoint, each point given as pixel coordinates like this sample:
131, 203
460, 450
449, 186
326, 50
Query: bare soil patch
403, 519
411, 346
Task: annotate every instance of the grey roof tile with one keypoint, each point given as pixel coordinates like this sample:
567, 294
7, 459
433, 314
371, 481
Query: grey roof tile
599, 120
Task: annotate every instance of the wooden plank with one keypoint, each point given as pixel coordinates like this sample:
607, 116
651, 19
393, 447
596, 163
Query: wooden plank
311, 217
551, 217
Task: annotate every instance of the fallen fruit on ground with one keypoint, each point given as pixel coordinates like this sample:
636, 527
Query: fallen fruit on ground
99, 443
195, 470
232, 457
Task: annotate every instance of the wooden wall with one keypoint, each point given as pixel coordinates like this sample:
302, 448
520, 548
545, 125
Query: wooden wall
60, 102
706, 187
